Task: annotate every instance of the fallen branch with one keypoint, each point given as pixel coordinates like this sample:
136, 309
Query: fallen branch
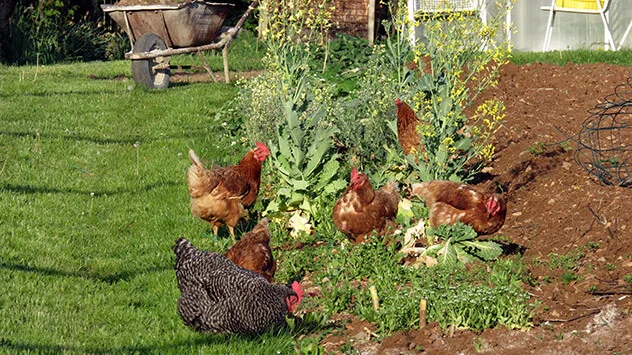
610, 293
603, 222
595, 311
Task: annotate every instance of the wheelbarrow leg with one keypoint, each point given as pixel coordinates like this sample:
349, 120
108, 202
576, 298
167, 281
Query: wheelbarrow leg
206, 66
225, 57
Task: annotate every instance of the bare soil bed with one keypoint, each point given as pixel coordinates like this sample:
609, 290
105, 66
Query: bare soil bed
554, 207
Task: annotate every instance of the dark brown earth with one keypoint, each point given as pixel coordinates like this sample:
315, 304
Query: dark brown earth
554, 207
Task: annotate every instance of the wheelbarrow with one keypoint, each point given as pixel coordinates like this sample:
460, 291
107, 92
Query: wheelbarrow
157, 32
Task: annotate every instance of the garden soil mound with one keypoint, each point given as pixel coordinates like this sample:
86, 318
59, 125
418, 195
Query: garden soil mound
554, 207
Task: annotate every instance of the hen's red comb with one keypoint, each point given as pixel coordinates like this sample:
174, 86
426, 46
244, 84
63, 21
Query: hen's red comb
263, 147
354, 173
296, 287
398, 101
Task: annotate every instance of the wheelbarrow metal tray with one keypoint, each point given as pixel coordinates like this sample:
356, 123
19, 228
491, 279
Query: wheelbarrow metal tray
189, 24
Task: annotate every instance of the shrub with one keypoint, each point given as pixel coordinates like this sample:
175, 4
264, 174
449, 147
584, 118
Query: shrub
51, 32
285, 107
440, 77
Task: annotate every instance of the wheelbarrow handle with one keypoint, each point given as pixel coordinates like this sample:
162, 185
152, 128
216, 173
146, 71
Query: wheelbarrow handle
243, 18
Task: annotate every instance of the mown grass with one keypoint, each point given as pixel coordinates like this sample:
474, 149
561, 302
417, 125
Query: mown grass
88, 219
576, 56
245, 54
93, 194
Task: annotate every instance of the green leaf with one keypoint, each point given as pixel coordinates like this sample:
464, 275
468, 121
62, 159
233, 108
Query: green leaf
283, 166
328, 171
392, 124
299, 184
273, 207
433, 249
486, 250
293, 124
442, 154
449, 256
462, 232
284, 147
463, 144
319, 147
298, 156
335, 186
284, 192
463, 255
306, 206
295, 199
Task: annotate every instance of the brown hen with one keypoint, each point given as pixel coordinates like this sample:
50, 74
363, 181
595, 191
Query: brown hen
253, 251
361, 210
221, 195
450, 202
407, 122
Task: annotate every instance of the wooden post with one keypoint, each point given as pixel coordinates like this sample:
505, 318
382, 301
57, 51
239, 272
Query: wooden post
374, 298
371, 29
422, 313
225, 58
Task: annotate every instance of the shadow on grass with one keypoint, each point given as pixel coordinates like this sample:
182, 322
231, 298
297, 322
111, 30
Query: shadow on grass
60, 93
30, 189
111, 278
201, 132
175, 347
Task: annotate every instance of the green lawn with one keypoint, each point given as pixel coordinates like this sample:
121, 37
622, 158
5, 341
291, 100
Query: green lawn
88, 219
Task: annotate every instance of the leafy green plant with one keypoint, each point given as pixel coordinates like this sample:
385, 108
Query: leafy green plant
568, 277
303, 158
537, 149
458, 245
566, 262
628, 279
341, 61
593, 246
439, 78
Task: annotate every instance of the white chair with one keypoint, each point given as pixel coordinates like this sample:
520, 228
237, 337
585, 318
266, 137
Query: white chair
437, 6
589, 7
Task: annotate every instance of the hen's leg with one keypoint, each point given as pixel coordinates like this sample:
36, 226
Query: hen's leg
232, 233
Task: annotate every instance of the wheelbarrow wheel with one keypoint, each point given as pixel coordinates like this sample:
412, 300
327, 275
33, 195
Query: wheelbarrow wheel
152, 73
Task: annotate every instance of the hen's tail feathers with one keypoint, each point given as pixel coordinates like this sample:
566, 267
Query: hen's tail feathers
183, 248
197, 178
260, 233
195, 159
420, 189
391, 187
262, 225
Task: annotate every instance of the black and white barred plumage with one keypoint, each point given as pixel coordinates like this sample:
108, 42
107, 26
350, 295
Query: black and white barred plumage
218, 296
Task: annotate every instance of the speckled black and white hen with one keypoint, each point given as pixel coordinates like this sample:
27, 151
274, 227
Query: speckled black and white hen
218, 296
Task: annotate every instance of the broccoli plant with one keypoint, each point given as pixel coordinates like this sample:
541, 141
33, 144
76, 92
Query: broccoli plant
458, 245
306, 165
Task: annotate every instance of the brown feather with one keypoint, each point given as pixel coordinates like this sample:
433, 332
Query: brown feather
450, 202
253, 251
407, 122
361, 210
220, 195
